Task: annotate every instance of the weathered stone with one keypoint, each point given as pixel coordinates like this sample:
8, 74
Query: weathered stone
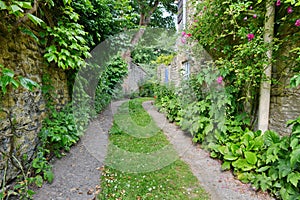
26, 109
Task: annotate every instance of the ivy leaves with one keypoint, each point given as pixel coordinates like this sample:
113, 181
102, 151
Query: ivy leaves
69, 48
7, 77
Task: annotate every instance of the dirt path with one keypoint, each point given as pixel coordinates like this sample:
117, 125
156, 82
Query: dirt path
77, 175
220, 185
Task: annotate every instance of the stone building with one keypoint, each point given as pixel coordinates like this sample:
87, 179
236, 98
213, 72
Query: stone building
284, 104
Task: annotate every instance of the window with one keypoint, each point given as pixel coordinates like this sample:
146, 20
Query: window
187, 70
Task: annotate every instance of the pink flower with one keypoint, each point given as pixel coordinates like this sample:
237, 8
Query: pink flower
254, 16
250, 8
220, 80
250, 36
278, 3
245, 18
289, 10
297, 22
183, 40
183, 33
188, 35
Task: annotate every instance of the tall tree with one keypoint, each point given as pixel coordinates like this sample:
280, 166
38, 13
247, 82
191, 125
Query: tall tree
146, 9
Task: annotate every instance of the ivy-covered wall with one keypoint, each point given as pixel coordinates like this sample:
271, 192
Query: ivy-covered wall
22, 111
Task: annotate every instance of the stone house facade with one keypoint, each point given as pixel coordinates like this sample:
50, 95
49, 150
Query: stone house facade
284, 103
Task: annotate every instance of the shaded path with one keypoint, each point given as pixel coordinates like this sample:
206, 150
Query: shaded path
77, 175
220, 185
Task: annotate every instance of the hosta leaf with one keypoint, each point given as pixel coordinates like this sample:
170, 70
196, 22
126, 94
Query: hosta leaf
226, 165
230, 157
251, 157
242, 164
294, 178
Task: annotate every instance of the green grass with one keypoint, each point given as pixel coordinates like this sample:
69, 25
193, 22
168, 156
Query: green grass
142, 137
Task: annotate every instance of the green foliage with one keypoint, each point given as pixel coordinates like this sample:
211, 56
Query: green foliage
41, 166
7, 77
68, 47
15, 7
241, 59
147, 88
112, 75
165, 59
60, 131
167, 102
268, 161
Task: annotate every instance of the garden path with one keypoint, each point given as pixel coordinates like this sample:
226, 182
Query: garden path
219, 184
77, 174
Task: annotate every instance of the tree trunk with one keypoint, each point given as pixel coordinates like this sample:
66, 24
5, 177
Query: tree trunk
265, 87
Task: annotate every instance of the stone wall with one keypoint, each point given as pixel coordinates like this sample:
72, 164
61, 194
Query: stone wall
135, 76
23, 111
284, 99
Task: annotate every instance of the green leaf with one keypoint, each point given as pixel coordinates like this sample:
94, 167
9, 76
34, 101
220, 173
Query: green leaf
250, 157
294, 143
50, 57
3, 5
28, 83
30, 33
226, 165
67, 2
24, 4
230, 157
8, 72
262, 169
295, 156
30, 192
49, 176
242, 164
271, 137
35, 20
293, 178
14, 8
38, 181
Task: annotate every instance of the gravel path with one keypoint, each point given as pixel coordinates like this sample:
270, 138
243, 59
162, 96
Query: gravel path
220, 185
77, 175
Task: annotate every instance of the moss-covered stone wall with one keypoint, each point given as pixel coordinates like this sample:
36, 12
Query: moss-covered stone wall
22, 111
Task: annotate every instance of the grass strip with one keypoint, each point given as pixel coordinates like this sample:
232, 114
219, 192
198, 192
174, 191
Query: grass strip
173, 181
